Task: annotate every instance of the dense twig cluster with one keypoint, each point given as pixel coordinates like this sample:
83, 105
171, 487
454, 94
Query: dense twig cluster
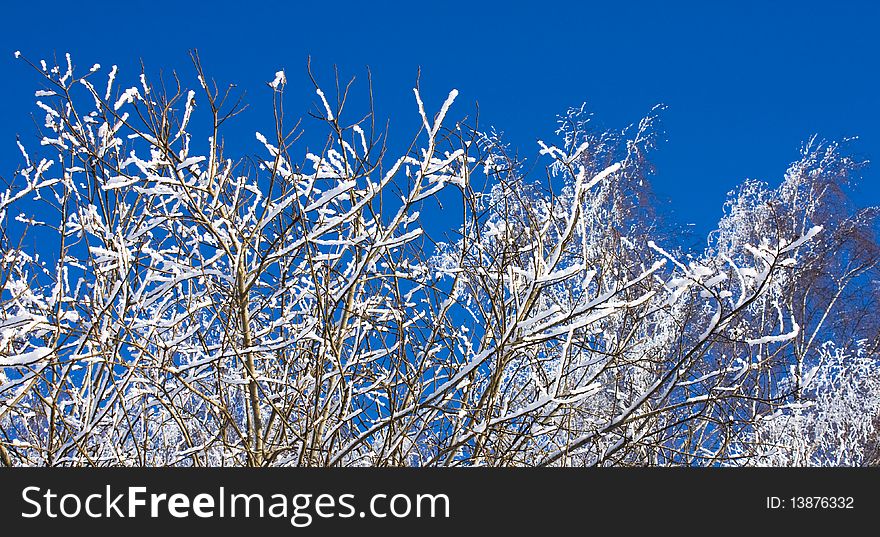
168, 305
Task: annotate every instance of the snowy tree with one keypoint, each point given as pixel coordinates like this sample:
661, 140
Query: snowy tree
168, 301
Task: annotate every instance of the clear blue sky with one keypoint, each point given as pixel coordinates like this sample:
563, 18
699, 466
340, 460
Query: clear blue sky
745, 82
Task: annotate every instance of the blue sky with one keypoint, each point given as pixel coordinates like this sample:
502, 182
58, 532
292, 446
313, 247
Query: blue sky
745, 83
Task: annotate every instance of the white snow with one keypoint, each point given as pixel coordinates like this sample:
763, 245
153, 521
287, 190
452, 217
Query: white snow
777, 338
190, 162
326, 104
110, 78
119, 181
279, 80
27, 358
128, 96
331, 194
809, 235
